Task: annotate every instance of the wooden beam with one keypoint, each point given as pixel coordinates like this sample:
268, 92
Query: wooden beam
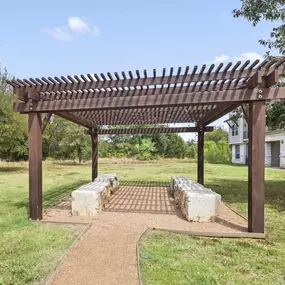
216, 114
256, 153
254, 80
245, 111
35, 166
94, 140
75, 119
45, 121
200, 168
271, 79
104, 93
155, 130
172, 79
166, 100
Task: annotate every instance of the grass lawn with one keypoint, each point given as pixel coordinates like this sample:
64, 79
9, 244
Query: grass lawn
174, 259
30, 251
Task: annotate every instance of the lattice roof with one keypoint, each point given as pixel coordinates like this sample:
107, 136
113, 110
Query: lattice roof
185, 95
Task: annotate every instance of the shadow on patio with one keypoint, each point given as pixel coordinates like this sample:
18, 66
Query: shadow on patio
150, 197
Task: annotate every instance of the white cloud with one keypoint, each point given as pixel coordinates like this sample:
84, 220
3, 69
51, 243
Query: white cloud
248, 56
243, 57
74, 25
83, 26
221, 58
61, 34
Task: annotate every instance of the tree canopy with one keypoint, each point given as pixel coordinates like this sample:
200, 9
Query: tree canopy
63, 139
270, 10
256, 11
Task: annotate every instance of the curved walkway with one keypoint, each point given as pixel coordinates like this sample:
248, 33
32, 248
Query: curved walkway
106, 254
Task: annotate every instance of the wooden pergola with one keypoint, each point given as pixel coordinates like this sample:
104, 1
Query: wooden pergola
196, 95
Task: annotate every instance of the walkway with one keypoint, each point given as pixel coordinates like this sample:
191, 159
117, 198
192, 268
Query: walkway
106, 254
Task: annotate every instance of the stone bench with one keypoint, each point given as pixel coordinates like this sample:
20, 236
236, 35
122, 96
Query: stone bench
111, 179
197, 203
89, 199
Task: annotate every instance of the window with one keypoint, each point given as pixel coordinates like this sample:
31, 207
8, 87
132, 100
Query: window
237, 151
234, 130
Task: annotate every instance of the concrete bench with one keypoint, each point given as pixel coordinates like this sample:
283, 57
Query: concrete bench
197, 203
89, 199
111, 179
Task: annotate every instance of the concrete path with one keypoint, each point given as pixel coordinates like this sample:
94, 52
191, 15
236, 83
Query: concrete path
106, 254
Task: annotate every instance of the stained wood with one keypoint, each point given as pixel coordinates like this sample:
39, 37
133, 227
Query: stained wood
154, 130
200, 168
46, 121
166, 100
256, 154
271, 79
219, 112
171, 79
94, 140
35, 166
254, 80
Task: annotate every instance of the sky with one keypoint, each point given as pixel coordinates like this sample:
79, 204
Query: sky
54, 38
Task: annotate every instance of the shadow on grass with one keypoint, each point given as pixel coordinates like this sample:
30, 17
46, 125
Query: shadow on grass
12, 169
53, 195
235, 191
70, 163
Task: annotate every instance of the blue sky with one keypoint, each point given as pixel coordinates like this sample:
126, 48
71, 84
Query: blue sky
51, 38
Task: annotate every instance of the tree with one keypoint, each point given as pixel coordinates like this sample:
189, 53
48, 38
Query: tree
65, 140
175, 147
217, 152
191, 149
270, 10
13, 126
274, 11
219, 134
145, 150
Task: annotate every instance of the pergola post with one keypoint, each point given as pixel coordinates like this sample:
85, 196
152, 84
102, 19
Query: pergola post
256, 152
94, 139
200, 160
35, 166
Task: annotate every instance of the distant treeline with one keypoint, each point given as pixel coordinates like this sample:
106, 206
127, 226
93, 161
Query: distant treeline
65, 140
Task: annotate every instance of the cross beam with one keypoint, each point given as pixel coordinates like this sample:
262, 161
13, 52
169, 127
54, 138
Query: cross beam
166, 100
149, 130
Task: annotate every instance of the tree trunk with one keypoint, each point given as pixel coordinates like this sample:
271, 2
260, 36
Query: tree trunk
79, 154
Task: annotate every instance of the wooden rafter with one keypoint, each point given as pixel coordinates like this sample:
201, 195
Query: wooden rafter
148, 130
218, 113
166, 100
173, 96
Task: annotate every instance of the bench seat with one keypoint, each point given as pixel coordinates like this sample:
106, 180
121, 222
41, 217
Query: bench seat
197, 203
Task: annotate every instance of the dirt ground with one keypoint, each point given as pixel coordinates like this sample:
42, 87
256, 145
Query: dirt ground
106, 253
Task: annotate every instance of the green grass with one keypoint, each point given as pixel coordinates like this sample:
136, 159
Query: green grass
29, 251
175, 259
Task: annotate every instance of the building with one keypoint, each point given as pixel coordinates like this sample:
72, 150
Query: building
274, 144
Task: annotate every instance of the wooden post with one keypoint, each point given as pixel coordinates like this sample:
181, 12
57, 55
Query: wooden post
256, 152
200, 170
35, 166
94, 139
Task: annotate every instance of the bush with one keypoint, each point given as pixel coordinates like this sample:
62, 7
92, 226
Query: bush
217, 152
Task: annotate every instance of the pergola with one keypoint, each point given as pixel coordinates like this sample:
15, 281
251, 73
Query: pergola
196, 95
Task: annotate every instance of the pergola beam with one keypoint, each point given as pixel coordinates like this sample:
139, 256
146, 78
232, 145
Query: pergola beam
94, 140
144, 81
166, 100
256, 153
75, 119
200, 160
216, 114
35, 166
155, 130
